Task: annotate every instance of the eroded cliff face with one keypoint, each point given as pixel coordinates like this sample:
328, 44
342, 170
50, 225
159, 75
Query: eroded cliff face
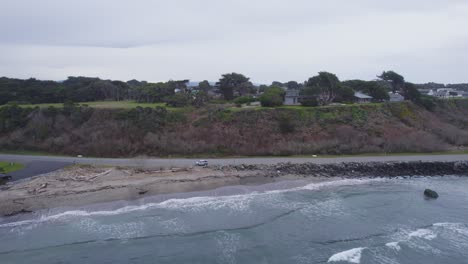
216, 130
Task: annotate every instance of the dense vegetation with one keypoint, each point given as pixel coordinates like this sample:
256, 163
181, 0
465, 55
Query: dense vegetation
222, 130
322, 89
84, 89
432, 85
193, 119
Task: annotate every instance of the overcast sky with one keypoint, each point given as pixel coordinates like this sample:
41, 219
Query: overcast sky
267, 40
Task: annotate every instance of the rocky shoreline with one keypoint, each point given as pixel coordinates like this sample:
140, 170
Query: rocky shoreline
359, 169
84, 185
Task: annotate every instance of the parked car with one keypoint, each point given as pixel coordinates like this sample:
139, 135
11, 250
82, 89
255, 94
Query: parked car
202, 163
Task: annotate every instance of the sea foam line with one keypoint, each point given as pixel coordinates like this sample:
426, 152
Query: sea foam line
352, 256
423, 233
394, 245
429, 234
214, 202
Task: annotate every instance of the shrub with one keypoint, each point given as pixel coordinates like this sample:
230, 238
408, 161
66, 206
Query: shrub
309, 101
178, 100
244, 100
428, 102
77, 114
273, 96
285, 124
13, 117
146, 119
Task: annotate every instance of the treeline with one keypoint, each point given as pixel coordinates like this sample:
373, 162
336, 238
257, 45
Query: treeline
321, 89
326, 88
433, 85
84, 89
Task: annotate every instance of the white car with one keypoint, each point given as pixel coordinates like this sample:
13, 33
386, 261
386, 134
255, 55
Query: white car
202, 163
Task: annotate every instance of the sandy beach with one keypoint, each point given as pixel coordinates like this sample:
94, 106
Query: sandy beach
81, 185
84, 185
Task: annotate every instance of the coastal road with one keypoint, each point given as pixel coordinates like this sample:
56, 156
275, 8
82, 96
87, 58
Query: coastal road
36, 165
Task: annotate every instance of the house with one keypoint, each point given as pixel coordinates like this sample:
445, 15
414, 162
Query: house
291, 97
445, 93
362, 98
395, 97
180, 86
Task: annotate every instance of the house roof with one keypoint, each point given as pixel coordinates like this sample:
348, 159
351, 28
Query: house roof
292, 93
392, 94
362, 96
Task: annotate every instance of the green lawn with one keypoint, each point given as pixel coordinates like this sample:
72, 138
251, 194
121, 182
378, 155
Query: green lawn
108, 105
132, 104
7, 167
103, 104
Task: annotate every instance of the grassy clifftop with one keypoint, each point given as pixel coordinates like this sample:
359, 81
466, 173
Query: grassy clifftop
219, 130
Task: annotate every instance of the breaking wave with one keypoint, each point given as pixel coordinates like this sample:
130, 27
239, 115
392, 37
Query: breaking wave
351, 256
234, 202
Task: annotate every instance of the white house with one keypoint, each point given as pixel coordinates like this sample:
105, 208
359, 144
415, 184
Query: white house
395, 97
445, 93
292, 97
362, 98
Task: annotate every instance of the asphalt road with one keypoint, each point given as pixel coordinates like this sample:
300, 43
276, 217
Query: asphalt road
36, 165
33, 168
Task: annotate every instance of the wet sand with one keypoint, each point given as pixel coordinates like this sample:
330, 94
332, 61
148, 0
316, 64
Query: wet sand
81, 185
84, 185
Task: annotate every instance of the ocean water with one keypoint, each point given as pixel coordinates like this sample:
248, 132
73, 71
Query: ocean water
342, 221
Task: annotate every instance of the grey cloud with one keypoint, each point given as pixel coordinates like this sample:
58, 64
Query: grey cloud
265, 39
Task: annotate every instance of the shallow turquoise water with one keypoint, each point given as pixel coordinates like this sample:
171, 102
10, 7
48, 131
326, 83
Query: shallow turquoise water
344, 221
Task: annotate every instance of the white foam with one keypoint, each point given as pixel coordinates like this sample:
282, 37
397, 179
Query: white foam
394, 245
423, 233
234, 202
454, 227
337, 183
351, 256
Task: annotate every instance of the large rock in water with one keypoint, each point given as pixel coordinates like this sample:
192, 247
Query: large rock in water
431, 194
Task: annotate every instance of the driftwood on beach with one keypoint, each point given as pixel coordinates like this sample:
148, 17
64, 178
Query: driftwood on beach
84, 185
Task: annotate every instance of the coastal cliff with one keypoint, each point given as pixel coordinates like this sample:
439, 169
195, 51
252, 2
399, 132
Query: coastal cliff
219, 130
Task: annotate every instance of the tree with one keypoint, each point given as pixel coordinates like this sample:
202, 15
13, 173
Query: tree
377, 90
244, 100
273, 96
232, 82
410, 92
245, 89
309, 96
396, 80
262, 88
204, 86
292, 85
178, 100
200, 99
345, 94
325, 87
277, 84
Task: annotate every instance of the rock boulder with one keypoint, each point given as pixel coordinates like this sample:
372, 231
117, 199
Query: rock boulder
431, 194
